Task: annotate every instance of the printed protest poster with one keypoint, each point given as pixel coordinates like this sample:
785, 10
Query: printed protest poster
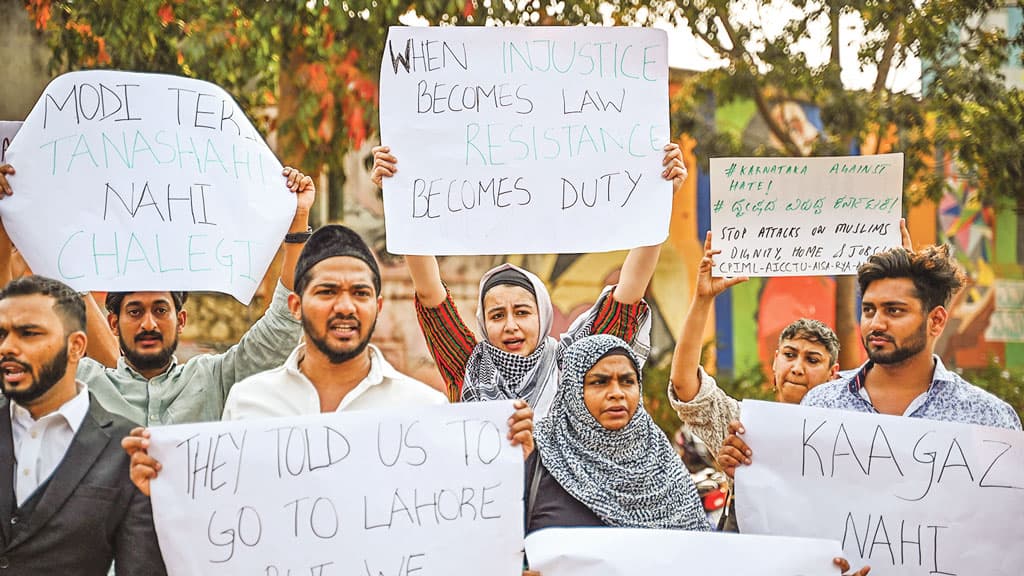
906, 496
435, 490
632, 551
804, 216
7, 131
1007, 321
129, 181
520, 140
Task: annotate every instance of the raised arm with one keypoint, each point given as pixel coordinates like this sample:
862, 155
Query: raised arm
5, 241
686, 358
426, 276
5, 255
305, 192
103, 346
640, 263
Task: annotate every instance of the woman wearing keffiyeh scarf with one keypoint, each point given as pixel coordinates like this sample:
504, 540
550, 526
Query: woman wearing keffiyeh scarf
516, 358
603, 460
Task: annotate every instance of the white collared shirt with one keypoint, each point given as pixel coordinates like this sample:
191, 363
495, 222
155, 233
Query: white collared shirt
40, 445
286, 391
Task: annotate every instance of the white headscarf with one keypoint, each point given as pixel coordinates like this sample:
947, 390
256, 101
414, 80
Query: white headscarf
493, 374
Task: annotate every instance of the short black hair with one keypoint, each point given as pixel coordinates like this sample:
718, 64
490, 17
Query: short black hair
934, 272
69, 304
115, 299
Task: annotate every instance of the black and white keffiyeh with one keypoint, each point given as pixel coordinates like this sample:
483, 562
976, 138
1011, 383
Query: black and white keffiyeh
493, 374
630, 477
500, 375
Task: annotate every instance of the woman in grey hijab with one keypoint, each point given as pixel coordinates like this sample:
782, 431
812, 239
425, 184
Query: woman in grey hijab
600, 459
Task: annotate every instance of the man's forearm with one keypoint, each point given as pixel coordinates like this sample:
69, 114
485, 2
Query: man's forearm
292, 250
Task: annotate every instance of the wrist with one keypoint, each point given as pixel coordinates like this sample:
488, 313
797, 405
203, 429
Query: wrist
300, 222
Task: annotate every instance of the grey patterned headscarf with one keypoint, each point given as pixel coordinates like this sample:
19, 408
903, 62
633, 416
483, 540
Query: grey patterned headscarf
630, 477
493, 374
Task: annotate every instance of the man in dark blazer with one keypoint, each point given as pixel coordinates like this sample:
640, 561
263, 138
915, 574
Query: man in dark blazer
67, 505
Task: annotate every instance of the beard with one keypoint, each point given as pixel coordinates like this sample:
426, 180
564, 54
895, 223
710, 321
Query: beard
48, 376
914, 345
336, 356
152, 360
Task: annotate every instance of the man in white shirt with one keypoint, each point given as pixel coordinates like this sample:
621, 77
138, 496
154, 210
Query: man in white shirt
337, 298
66, 503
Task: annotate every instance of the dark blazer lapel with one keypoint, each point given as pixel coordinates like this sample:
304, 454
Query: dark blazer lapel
6, 469
90, 441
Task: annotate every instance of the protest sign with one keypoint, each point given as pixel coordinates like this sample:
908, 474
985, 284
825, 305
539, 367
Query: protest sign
129, 181
631, 551
7, 131
804, 216
436, 490
518, 140
1007, 321
907, 496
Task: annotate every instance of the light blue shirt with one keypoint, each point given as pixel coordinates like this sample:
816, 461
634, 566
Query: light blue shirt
949, 398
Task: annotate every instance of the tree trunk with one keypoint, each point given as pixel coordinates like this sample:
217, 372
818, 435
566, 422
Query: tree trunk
846, 322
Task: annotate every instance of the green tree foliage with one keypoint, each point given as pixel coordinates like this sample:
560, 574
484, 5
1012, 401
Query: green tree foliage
317, 60
966, 112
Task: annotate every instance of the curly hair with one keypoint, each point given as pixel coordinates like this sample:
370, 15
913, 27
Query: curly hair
813, 331
934, 272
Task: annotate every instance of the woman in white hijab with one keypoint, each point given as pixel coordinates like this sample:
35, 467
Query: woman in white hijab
517, 358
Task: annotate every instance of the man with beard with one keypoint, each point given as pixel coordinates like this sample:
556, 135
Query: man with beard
903, 312
337, 299
150, 386
904, 295
66, 505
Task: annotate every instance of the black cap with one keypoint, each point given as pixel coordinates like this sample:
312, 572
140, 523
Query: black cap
508, 277
330, 241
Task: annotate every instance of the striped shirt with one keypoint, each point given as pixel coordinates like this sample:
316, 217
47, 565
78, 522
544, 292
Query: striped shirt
451, 342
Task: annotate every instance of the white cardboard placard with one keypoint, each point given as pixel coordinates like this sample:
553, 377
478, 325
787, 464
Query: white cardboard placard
907, 496
436, 490
525, 139
632, 551
818, 216
130, 181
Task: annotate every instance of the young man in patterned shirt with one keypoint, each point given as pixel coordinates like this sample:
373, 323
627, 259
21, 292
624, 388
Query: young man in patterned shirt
903, 313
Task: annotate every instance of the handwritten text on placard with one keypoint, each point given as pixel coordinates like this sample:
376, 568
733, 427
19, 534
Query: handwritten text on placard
908, 496
7, 131
525, 139
804, 216
437, 490
1007, 321
145, 182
